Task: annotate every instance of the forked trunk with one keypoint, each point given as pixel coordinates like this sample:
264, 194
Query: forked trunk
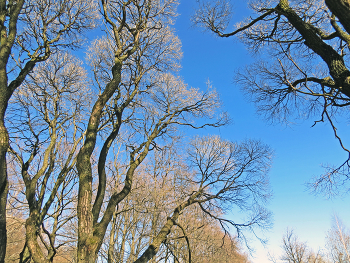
90, 239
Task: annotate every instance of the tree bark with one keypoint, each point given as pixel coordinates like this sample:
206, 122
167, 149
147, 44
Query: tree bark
334, 61
32, 230
4, 185
88, 239
341, 9
7, 37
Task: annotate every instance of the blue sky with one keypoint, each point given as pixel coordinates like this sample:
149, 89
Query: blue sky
299, 149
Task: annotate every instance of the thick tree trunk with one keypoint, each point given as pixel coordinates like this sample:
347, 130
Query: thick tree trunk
32, 230
89, 239
341, 9
4, 144
334, 61
4, 186
8, 32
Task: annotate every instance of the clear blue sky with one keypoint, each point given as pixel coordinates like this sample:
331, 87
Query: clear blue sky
299, 149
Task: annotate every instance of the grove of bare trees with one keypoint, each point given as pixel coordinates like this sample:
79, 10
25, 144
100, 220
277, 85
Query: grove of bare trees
93, 162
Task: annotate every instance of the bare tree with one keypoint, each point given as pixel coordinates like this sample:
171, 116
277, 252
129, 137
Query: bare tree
132, 34
295, 251
46, 123
338, 242
223, 174
30, 32
199, 238
139, 103
304, 64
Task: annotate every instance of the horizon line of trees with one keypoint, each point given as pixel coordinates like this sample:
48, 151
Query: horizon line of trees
336, 250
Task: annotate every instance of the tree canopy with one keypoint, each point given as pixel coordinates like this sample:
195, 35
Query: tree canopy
303, 70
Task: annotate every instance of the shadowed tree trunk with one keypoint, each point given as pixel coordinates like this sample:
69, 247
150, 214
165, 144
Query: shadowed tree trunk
9, 17
341, 9
7, 38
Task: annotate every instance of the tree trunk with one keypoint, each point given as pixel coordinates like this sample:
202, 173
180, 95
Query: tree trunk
334, 61
4, 144
89, 240
153, 248
341, 9
32, 230
4, 186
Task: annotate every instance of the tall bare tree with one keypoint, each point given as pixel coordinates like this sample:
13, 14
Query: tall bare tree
30, 32
46, 123
138, 101
304, 69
